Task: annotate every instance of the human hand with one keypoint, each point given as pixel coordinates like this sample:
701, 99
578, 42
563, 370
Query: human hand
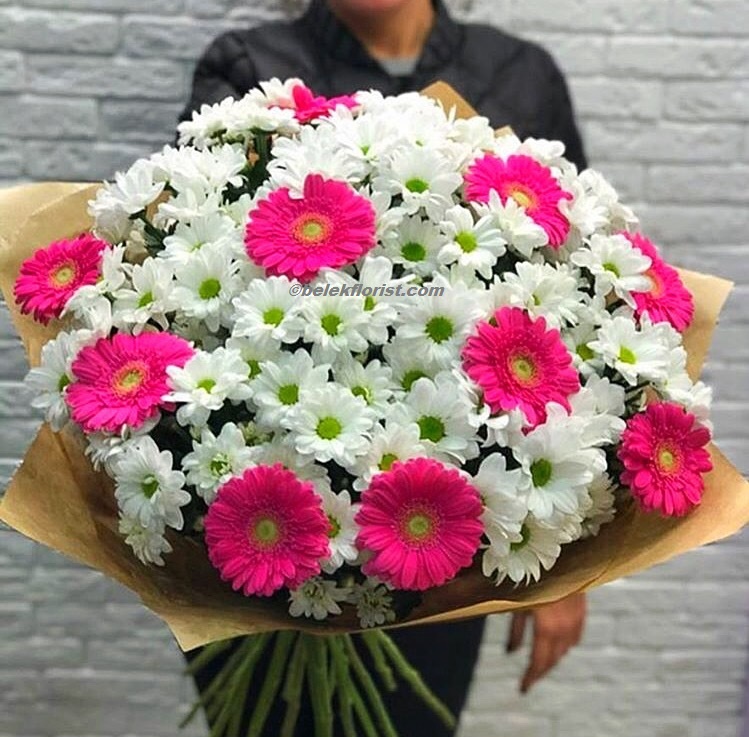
556, 628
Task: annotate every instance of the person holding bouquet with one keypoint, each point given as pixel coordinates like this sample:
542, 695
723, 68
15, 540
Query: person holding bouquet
396, 46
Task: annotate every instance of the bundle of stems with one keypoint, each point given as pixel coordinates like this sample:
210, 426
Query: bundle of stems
331, 669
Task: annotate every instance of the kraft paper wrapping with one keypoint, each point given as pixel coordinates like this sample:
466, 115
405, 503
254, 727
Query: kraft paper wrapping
58, 500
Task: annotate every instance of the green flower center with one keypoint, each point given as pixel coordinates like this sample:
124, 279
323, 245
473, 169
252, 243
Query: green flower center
334, 527
541, 472
524, 197
627, 356
585, 352
254, 367
63, 274
209, 289
417, 185
439, 329
149, 485
312, 228
667, 459
419, 526
413, 251
523, 369
329, 428
265, 532
611, 268
273, 316
129, 378
525, 534
330, 324
432, 428
145, 299
63, 381
410, 377
220, 465
206, 384
288, 394
386, 462
369, 303
363, 392
467, 241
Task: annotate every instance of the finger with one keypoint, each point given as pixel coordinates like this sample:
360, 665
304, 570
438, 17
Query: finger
517, 631
541, 661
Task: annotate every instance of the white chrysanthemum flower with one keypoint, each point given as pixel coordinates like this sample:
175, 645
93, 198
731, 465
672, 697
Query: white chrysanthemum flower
214, 460
584, 358
266, 311
391, 443
441, 412
602, 509
282, 451
49, 380
472, 244
521, 233
378, 289
334, 326
205, 287
373, 602
437, 326
415, 244
598, 408
282, 383
407, 367
422, 178
332, 425
372, 382
695, 397
585, 212
148, 297
343, 529
618, 216
147, 487
213, 231
135, 189
616, 265
190, 203
103, 448
556, 467
210, 169
148, 544
317, 598
635, 354
505, 508
254, 354
112, 222
205, 382
539, 548
546, 291
476, 132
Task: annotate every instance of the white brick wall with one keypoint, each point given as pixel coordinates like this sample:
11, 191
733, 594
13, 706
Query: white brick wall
662, 89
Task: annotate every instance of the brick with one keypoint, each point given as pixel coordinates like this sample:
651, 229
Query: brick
719, 101
16, 436
577, 53
595, 724
681, 629
696, 225
166, 7
705, 17
663, 141
79, 161
106, 77
41, 652
11, 71
712, 184
677, 57
30, 116
177, 39
598, 98
153, 654
132, 120
518, 725
15, 620
259, 11
14, 362
15, 549
37, 30
700, 666
53, 587
627, 178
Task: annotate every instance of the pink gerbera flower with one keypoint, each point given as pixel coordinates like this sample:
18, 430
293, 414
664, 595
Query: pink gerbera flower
52, 275
329, 226
265, 530
518, 363
120, 381
668, 300
422, 522
527, 182
308, 106
664, 459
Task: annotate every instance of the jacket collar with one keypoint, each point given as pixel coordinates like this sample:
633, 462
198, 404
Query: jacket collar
338, 42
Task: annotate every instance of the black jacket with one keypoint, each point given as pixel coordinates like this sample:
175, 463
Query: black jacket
510, 81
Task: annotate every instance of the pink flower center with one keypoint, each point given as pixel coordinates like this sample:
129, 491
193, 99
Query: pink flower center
63, 274
523, 369
419, 525
523, 195
668, 459
311, 228
264, 531
130, 378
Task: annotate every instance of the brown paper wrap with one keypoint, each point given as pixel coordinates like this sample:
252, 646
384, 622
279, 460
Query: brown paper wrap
57, 499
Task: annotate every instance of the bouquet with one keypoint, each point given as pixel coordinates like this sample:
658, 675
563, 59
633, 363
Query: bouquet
340, 364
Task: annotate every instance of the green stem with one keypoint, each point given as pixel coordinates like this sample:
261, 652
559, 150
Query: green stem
317, 672
208, 653
292, 689
344, 685
380, 662
271, 684
364, 718
373, 695
414, 679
